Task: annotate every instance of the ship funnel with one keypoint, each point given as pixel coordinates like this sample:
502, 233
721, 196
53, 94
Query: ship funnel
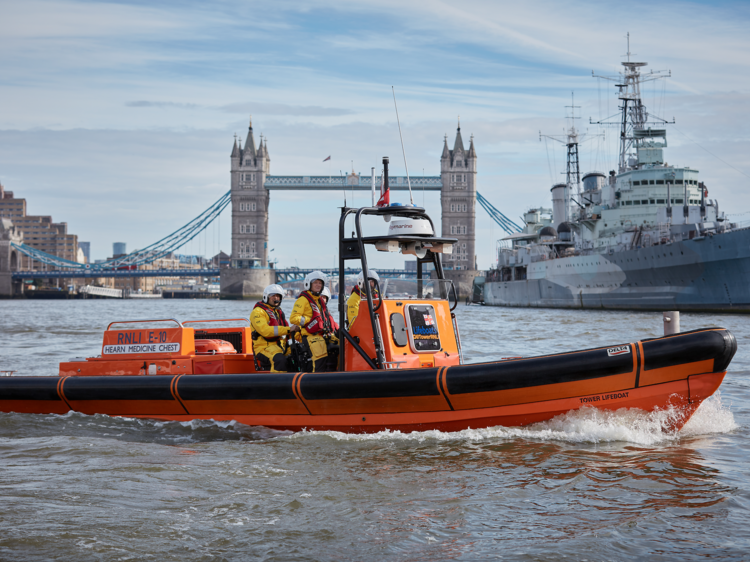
559, 215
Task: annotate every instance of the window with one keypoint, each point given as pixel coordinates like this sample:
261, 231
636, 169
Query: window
659, 182
628, 202
463, 207
252, 230
242, 229
644, 202
252, 206
651, 182
636, 202
636, 182
659, 201
678, 182
453, 208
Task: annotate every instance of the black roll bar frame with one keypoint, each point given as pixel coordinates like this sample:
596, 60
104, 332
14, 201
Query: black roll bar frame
354, 249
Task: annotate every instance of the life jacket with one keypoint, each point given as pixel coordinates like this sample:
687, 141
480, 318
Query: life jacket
361, 294
275, 318
319, 322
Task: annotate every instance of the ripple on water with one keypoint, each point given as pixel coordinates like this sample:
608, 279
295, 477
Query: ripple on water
586, 485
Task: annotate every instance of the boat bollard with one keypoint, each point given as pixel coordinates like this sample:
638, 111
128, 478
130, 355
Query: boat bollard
671, 322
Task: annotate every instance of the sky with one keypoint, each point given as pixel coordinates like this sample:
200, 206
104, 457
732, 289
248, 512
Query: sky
118, 118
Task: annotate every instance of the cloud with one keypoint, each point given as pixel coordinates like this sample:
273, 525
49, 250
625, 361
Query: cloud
318, 74
161, 104
281, 109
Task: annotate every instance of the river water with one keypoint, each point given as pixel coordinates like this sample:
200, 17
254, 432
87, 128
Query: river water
586, 486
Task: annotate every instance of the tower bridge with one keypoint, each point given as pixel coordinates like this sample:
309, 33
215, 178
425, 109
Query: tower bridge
252, 182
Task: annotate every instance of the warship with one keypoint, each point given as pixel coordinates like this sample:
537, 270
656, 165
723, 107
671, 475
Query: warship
645, 237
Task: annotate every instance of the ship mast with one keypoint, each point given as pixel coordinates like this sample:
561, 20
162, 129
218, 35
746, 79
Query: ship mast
573, 173
633, 114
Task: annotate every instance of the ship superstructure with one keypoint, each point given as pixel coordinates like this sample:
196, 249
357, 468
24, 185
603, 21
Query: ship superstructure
646, 236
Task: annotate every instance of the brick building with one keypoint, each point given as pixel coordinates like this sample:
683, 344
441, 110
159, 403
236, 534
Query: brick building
39, 231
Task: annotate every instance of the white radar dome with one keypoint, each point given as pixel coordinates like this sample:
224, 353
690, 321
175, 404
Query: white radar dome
410, 227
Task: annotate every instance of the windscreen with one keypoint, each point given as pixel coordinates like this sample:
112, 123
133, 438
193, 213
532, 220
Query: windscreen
439, 289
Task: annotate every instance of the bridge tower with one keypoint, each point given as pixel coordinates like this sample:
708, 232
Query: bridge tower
458, 168
250, 199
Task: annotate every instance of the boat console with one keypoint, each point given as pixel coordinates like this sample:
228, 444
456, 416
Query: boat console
412, 325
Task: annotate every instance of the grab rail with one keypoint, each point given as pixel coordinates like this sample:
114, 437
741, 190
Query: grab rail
186, 322
137, 321
455, 295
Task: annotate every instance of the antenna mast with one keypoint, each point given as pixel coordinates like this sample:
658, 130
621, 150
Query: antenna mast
571, 141
408, 181
633, 114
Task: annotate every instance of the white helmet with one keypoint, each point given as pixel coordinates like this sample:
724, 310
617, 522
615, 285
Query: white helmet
371, 274
312, 276
273, 290
326, 293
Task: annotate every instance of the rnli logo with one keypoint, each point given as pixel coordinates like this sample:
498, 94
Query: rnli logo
622, 350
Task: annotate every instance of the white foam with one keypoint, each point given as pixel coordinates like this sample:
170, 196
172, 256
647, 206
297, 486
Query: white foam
586, 425
712, 417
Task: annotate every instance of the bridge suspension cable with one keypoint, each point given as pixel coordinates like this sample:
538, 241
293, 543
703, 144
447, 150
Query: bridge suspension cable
150, 253
505, 223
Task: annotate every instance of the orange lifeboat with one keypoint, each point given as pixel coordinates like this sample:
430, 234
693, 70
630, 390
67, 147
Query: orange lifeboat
400, 365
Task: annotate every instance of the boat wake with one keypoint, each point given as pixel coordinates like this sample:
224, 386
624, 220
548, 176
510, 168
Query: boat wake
586, 425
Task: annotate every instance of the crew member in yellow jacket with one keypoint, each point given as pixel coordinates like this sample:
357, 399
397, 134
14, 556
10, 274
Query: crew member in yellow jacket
358, 293
311, 315
270, 331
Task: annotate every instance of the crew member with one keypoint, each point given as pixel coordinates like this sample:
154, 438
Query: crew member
311, 315
358, 293
270, 330
333, 344
326, 296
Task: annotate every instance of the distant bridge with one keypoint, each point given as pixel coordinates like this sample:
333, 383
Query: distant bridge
291, 275
288, 275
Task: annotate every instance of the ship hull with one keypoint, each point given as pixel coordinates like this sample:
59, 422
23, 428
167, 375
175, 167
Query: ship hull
704, 274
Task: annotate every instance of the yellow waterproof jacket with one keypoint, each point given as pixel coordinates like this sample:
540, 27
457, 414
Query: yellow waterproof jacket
263, 329
302, 312
352, 304
352, 308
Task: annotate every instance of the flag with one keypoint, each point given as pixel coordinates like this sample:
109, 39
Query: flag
385, 196
327, 159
